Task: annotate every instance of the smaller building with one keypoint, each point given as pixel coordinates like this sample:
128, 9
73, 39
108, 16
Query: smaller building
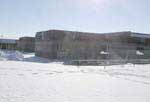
26, 44
9, 44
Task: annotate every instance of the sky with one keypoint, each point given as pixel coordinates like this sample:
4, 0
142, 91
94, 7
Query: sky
26, 17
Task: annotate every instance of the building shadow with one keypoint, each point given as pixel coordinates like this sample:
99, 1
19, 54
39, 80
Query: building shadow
36, 60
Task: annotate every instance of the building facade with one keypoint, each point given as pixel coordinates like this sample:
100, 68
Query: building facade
26, 44
8, 44
70, 45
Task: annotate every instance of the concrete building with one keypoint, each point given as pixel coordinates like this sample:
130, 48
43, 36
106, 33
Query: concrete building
9, 44
26, 44
70, 45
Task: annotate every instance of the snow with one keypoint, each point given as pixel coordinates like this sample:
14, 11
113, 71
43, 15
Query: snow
139, 53
10, 55
104, 53
35, 79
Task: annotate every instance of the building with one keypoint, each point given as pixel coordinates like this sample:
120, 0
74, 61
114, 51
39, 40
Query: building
9, 44
26, 44
70, 45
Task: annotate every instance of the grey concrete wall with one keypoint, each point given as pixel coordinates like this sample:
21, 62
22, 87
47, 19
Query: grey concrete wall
66, 45
26, 44
58, 44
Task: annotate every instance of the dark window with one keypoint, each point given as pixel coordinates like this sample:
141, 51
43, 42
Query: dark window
140, 48
39, 37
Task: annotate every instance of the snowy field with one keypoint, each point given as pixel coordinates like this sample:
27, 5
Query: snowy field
33, 79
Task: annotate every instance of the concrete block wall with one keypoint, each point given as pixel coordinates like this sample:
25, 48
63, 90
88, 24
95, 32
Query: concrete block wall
67, 45
59, 44
26, 44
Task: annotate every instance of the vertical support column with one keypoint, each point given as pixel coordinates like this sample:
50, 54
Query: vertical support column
0, 46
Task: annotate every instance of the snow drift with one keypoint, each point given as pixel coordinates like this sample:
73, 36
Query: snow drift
11, 55
26, 81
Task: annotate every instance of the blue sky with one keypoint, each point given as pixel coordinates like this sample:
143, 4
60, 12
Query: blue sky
26, 17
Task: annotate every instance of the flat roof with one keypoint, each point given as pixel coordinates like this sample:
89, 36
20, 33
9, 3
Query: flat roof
6, 41
131, 34
140, 35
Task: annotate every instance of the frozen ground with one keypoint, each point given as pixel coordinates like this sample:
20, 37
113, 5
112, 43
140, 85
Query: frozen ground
38, 80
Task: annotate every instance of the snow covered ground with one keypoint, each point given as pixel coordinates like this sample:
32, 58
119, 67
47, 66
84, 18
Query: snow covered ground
36, 79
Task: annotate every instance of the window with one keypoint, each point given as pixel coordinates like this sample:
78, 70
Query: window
140, 48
